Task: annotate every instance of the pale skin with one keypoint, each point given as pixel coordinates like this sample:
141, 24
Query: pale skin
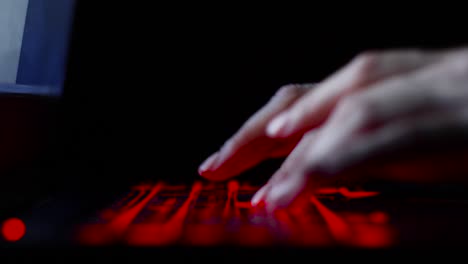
379, 102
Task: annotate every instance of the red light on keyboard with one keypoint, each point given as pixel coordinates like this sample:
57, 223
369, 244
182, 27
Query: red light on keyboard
346, 193
166, 233
372, 236
233, 186
378, 217
13, 229
218, 214
339, 228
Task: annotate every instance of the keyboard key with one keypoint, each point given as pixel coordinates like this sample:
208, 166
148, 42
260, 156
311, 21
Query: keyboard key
221, 214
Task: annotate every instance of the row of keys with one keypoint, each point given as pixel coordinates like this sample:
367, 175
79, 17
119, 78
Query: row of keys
213, 214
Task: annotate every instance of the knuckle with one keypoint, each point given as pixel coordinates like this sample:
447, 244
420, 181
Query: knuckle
235, 141
324, 168
367, 59
350, 104
310, 135
290, 90
461, 64
279, 176
357, 106
365, 64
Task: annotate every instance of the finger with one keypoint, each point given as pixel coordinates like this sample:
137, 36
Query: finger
351, 116
313, 108
417, 149
439, 86
287, 165
287, 192
250, 145
393, 99
260, 195
289, 181
295, 159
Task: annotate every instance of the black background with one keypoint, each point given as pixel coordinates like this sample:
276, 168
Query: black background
153, 90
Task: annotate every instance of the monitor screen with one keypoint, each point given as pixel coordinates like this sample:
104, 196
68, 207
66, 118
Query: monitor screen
35, 44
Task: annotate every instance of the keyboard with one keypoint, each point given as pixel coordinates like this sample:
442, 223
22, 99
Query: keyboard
207, 214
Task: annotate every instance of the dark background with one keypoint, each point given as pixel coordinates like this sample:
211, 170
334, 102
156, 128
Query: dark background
153, 90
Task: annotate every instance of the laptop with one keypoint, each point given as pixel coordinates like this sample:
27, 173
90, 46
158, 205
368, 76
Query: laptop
35, 45
136, 102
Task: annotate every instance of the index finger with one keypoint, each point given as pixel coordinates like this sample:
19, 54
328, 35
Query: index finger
250, 145
368, 68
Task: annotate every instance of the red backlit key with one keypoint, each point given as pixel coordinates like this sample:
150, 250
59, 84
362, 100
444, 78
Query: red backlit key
221, 213
311, 228
166, 233
254, 227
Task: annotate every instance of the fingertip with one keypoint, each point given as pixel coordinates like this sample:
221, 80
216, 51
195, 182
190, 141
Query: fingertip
278, 127
201, 172
256, 200
208, 164
258, 197
283, 194
260, 204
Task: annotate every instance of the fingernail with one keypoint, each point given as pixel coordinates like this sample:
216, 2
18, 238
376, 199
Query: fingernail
277, 126
256, 200
261, 204
282, 194
208, 163
258, 197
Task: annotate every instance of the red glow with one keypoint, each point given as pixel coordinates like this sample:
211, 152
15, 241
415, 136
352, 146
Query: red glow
233, 186
134, 200
356, 194
163, 210
230, 208
108, 214
204, 235
216, 214
328, 190
360, 233
287, 224
113, 231
121, 223
254, 235
337, 226
244, 205
13, 229
310, 230
203, 226
372, 236
355, 218
378, 217
347, 193
157, 234
258, 234
247, 187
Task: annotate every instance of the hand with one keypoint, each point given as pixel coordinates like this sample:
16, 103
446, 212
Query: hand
251, 144
382, 104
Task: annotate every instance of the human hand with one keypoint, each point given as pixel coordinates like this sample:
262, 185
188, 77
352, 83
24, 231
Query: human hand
379, 103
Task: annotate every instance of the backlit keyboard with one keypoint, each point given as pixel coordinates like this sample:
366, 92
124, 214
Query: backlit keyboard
206, 214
